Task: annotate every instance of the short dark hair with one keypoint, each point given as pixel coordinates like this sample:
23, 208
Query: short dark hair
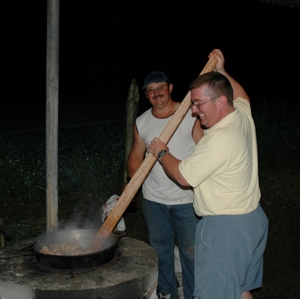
217, 84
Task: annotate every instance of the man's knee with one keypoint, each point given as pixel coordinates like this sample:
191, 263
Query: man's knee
247, 295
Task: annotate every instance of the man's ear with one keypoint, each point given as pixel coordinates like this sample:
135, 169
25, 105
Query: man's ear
146, 94
222, 102
170, 87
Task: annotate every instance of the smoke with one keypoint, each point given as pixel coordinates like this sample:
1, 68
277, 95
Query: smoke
87, 214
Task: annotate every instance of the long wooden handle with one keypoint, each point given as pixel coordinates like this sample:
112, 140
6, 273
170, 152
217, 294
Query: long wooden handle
144, 169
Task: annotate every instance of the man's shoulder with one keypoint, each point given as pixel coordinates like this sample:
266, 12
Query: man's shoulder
145, 114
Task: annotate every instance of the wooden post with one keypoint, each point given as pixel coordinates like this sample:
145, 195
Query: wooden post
52, 114
132, 107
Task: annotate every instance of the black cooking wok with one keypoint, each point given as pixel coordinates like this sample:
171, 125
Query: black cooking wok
81, 237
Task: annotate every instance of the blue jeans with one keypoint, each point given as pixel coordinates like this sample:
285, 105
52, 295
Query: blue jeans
165, 223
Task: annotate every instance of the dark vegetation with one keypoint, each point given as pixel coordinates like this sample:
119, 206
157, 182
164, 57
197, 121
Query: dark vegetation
91, 153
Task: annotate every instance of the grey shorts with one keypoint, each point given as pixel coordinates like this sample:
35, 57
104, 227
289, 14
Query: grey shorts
229, 254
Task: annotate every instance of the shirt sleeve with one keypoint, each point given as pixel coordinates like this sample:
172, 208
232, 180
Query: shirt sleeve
201, 165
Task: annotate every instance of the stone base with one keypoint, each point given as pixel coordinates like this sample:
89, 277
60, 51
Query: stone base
132, 275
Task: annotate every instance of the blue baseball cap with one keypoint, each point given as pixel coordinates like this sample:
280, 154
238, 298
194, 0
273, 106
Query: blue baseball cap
157, 76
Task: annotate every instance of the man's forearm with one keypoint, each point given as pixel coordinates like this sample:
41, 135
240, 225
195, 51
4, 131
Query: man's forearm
170, 165
133, 164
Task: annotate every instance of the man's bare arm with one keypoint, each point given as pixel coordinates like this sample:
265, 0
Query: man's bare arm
137, 153
238, 90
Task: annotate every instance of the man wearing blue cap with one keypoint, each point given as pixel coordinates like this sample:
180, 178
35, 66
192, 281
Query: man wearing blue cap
167, 207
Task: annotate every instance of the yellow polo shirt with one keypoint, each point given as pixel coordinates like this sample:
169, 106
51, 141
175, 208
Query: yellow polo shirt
223, 168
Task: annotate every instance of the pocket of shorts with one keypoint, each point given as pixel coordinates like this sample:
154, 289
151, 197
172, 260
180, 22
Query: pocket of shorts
207, 233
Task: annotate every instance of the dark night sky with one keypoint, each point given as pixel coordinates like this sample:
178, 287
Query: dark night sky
104, 44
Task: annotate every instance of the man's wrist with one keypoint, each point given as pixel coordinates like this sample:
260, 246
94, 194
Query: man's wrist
161, 153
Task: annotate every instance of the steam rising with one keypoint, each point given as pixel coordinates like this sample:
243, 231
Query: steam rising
86, 215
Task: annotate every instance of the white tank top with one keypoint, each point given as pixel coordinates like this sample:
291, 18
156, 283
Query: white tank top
157, 186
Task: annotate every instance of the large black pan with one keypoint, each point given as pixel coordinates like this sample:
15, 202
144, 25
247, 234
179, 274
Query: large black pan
83, 237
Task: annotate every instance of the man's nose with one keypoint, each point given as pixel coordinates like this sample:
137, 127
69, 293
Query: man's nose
155, 92
194, 109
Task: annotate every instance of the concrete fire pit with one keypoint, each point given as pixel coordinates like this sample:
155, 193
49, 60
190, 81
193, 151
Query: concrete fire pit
131, 274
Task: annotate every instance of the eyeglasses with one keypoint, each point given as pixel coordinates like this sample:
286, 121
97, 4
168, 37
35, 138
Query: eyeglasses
197, 105
159, 88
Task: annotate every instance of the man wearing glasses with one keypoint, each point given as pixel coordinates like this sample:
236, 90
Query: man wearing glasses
167, 207
223, 170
